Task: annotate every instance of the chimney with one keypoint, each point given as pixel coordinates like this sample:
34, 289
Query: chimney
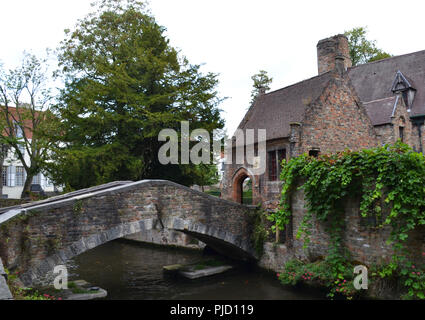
333, 54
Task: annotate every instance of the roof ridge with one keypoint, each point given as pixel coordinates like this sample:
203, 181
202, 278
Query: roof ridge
386, 59
376, 100
297, 83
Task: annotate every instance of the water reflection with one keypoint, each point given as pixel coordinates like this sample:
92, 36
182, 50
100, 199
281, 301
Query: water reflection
134, 271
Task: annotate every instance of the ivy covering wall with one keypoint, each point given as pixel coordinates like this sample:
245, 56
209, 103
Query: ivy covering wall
391, 177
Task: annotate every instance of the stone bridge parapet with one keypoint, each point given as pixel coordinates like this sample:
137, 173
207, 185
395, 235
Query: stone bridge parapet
35, 238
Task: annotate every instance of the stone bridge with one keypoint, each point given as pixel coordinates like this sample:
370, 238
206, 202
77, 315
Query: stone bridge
36, 237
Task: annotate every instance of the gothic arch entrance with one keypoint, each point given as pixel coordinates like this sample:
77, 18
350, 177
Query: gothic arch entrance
242, 181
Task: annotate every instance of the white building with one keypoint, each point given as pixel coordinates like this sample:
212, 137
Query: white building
14, 175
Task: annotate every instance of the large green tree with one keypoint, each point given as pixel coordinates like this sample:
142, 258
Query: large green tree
124, 83
363, 50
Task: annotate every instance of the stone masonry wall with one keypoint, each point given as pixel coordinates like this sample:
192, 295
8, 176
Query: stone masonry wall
265, 191
336, 121
33, 242
366, 244
385, 133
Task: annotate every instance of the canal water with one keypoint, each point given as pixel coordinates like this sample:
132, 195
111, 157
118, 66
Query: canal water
129, 270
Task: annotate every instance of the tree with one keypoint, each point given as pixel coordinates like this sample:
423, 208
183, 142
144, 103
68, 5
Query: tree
25, 117
124, 83
363, 50
3, 153
261, 82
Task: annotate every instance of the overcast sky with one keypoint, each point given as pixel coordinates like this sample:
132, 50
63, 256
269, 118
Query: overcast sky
230, 37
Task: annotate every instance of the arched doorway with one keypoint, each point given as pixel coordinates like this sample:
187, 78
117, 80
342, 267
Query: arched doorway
242, 189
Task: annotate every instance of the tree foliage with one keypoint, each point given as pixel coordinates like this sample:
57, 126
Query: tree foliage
124, 83
25, 117
361, 49
261, 81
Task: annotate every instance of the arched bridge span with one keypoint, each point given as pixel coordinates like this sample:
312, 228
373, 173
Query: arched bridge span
34, 238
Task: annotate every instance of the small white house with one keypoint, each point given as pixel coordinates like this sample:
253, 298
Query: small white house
14, 175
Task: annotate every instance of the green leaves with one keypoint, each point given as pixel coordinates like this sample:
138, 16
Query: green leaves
389, 181
124, 83
261, 82
361, 49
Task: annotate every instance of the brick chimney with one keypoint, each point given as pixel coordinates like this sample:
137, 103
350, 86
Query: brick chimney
333, 54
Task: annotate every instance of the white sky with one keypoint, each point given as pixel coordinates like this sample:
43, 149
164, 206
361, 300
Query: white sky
230, 37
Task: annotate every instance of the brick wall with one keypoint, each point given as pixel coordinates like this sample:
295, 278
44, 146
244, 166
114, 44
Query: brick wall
336, 121
366, 244
49, 234
265, 191
327, 51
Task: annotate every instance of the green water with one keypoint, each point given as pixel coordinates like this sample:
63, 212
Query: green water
134, 271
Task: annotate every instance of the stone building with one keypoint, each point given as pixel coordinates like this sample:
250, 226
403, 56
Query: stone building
342, 107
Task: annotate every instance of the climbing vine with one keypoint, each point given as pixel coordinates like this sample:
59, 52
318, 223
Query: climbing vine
390, 182
260, 232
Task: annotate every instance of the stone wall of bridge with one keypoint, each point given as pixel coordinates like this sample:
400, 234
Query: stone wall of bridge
42, 236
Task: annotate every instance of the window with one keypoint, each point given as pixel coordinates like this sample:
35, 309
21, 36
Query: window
4, 149
401, 133
20, 176
272, 165
36, 179
4, 176
275, 159
281, 154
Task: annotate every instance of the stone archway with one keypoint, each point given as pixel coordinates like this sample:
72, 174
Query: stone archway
237, 183
35, 238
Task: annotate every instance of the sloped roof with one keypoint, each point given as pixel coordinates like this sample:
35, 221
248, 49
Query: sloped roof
381, 110
28, 124
274, 111
374, 80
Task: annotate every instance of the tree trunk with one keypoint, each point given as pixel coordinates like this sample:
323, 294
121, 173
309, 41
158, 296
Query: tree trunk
27, 186
1, 172
3, 152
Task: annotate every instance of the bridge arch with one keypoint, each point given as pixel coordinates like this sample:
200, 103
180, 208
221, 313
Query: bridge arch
36, 238
223, 242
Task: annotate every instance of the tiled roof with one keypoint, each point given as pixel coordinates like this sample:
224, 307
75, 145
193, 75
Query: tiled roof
380, 111
373, 81
274, 111
27, 121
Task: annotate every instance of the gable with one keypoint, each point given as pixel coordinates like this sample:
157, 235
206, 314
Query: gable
337, 121
401, 83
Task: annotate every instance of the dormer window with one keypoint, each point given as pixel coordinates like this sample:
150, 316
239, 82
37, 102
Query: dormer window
404, 86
